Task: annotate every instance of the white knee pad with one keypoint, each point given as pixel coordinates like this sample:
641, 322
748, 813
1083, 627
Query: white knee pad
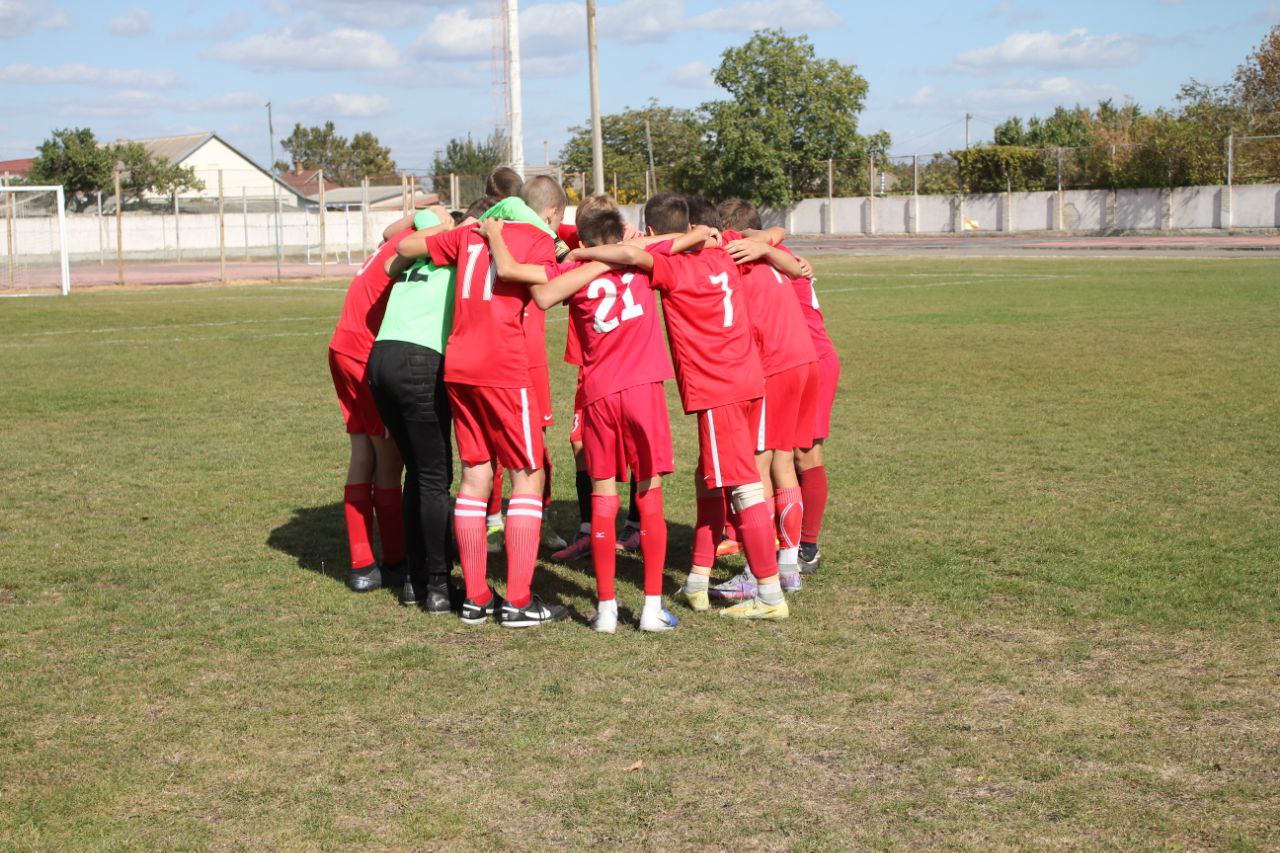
746, 496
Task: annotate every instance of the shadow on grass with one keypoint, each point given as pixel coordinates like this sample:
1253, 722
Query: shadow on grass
316, 537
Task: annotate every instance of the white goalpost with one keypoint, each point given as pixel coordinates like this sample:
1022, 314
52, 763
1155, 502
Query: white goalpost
33, 249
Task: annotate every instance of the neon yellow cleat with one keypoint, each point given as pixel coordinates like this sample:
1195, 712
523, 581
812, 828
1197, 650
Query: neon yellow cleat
754, 608
698, 602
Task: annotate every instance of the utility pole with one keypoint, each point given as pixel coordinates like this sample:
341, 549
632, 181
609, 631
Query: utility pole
515, 116
967, 118
597, 144
275, 184
648, 141
119, 224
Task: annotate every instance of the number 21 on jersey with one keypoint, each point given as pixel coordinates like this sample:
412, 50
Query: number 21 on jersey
606, 288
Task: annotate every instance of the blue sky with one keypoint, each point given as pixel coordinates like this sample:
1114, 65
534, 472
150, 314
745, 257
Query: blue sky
417, 72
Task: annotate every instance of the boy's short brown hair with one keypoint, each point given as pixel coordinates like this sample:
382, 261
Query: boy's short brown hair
543, 193
597, 202
738, 214
667, 213
702, 212
599, 225
477, 208
503, 182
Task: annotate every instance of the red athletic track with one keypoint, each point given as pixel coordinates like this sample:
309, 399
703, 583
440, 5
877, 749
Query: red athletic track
1267, 245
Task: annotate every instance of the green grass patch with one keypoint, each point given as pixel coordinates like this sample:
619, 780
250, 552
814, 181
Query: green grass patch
1048, 614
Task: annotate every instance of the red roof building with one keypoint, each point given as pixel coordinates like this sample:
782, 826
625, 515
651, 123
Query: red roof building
16, 168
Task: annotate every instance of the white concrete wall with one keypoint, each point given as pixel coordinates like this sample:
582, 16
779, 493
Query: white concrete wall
1084, 210
1256, 206
195, 236
1190, 206
1033, 211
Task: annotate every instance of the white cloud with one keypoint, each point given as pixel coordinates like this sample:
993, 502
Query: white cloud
639, 21
695, 74
1075, 49
226, 102
1269, 14
794, 15
287, 49
925, 96
58, 19
1047, 93
125, 103
341, 105
15, 17
87, 75
131, 23
233, 23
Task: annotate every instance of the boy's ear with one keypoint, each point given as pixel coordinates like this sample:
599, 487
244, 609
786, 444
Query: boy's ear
649, 232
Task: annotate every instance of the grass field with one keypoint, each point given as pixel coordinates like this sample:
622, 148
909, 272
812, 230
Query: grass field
1049, 614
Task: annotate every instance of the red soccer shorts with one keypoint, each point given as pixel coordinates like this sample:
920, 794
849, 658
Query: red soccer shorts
726, 442
790, 409
496, 425
628, 431
540, 379
575, 432
354, 396
828, 379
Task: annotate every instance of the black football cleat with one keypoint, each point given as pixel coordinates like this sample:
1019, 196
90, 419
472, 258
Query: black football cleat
478, 614
533, 614
439, 598
364, 579
810, 558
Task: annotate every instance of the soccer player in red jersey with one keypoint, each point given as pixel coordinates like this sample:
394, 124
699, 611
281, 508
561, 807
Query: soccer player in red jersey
623, 408
791, 381
720, 379
495, 408
373, 471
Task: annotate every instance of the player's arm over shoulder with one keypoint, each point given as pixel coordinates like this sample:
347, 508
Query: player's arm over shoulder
506, 267
616, 255
566, 284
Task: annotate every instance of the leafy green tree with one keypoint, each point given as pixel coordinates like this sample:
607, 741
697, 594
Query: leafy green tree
676, 134
1257, 82
790, 112
344, 161
73, 158
470, 159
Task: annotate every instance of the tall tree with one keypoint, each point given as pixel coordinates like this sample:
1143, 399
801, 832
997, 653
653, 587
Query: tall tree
73, 158
1257, 83
790, 112
471, 160
676, 135
344, 161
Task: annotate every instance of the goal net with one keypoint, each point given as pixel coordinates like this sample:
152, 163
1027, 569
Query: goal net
33, 245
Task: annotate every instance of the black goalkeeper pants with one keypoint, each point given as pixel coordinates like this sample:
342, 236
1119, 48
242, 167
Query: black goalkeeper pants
408, 388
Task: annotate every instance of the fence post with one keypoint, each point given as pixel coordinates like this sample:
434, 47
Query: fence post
404, 194
102, 238
1227, 215
177, 229
10, 215
119, 229
324, 245
364, 217
1059, 203
453, 191
615, 186
915, 194
870, 224
222, 231
1008, 204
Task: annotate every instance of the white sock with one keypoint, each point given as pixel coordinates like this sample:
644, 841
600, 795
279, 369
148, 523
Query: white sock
494, 520
609, 606
652, 606
789, 560
697, 583
771, 591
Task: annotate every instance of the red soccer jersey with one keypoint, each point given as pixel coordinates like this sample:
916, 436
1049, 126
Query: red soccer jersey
487, 346
568, 234
535, 335
807, 297
776, 319
712, 346
366, 303
615, 318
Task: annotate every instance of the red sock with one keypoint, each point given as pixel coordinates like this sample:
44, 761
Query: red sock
730, 530
469, 530
710, 519
357, 503
546, 479
653, 539
758, 540
604, 543
390, 514
524, 524
789, 508
495, 496
813, 484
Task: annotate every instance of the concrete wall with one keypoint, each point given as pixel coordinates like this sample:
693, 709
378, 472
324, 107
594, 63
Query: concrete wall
196, 235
